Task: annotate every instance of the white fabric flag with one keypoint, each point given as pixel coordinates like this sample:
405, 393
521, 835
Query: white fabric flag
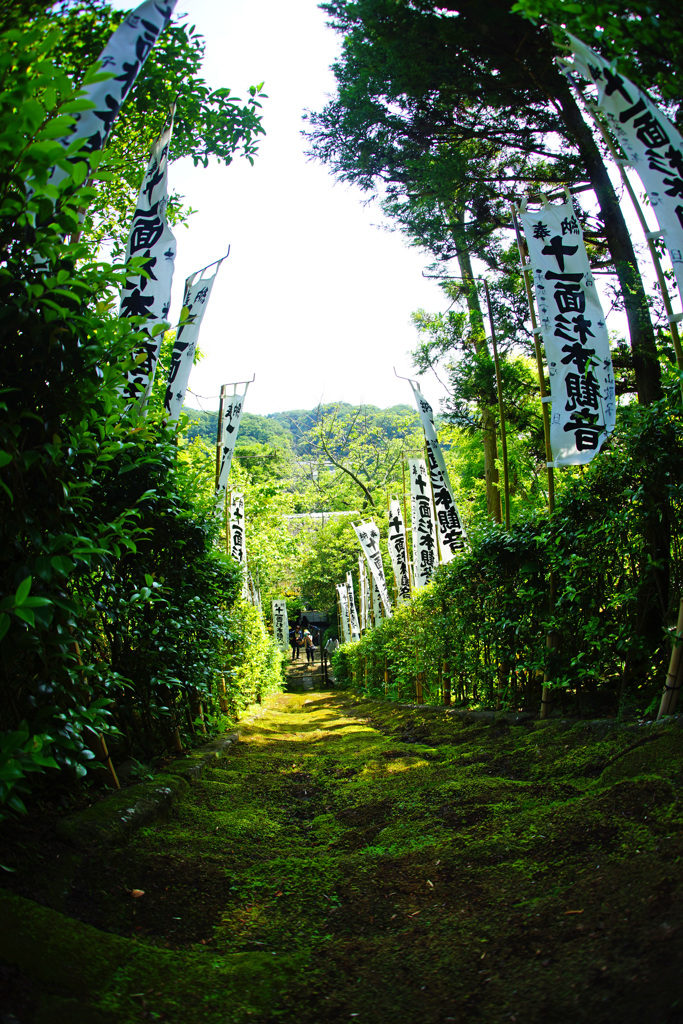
232, 414
353, 614
280, 624
122, 59
238, 545
425, 556
368, 535
398, 551
363, 584
343, 597
151, 238
377, 615
195, 299
449, 524
574, 335
653, 146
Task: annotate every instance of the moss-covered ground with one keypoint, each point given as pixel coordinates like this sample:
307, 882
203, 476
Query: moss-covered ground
350, 860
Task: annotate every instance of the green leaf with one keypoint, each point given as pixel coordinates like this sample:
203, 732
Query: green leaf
22, 591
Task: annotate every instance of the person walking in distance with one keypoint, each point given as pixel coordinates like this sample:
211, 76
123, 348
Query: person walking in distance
310, 648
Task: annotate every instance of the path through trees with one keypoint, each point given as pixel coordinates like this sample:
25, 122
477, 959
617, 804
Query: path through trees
351, 860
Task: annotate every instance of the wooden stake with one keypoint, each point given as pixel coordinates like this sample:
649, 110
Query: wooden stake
674, 678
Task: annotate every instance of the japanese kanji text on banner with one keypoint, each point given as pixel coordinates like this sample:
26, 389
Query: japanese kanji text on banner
448, 522
232, 414
425, 555
398, 551
652, 145
368, 535
122, 58
195, 299
574, 335
280, 624
149, 294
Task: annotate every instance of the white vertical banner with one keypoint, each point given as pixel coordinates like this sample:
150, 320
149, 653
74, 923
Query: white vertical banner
149, 294
651, 143
237, 535
449, 525
398, 551
195, 299
425, 554
363, 587
280, 624
377, 610
368, 535
574, 335
353, 614
121, 61
343, 597
230, 425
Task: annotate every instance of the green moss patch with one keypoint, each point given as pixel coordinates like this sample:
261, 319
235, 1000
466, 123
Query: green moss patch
353, 860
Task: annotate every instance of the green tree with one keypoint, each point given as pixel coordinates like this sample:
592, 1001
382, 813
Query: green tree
425, 83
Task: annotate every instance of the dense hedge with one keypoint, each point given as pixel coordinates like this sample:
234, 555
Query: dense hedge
118, 612
613, 548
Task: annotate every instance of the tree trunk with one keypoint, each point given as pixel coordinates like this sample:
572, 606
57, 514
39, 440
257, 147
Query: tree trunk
643, 347
488, 415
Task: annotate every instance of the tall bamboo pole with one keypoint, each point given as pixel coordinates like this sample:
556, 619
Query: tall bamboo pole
219, 432
501, 412
551, 637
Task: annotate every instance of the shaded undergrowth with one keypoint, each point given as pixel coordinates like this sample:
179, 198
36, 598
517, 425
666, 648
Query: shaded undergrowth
353, 860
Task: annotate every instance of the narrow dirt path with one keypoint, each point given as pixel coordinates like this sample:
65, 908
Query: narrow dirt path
348, 860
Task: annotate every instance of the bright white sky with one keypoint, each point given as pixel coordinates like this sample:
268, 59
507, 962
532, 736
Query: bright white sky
315, 298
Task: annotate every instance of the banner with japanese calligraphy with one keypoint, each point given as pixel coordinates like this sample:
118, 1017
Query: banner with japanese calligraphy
398, 552
448, 522
195, 300
151, 238
280, 624
232, 414
425, 553
236, 530
377, 615
574, 334
368, 535
122, 59
343, 598
364, 594
651, 143
353, 613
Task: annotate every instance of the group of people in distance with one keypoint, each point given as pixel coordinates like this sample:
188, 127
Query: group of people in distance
297, 639
301, 636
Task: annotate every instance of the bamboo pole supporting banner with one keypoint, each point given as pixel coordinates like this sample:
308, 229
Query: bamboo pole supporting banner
551, 638
501, 412
674, 678
219, 432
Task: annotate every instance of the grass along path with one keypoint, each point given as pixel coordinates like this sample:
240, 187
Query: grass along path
356, 861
